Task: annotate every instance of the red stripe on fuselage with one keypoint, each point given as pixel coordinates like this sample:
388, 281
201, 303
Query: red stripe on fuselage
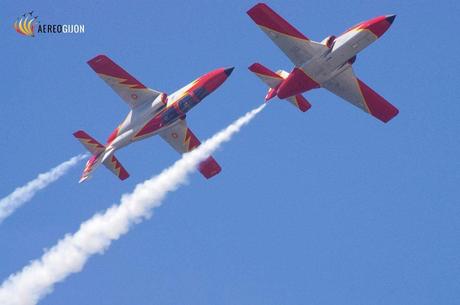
113, 135
377, 26
209, 82
153, 125
212, 80
90, 163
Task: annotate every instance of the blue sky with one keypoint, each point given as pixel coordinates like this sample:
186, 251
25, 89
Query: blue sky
325, 207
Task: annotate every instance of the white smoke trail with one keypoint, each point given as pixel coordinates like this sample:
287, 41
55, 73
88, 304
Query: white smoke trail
95, 235
24, 193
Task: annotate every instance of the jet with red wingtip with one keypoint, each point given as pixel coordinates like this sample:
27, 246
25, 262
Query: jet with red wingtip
326, 64
152, 113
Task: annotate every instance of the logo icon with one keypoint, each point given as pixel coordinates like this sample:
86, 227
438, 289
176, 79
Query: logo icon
25, 24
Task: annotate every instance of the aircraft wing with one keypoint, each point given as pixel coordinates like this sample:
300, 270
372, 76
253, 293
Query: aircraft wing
293, 43
347, 86
182, 139
132, 91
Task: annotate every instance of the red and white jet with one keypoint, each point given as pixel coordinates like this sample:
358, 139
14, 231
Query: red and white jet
326, 64
151, 113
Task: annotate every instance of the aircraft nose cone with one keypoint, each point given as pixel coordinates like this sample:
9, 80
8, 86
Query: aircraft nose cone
229, 71
390, 18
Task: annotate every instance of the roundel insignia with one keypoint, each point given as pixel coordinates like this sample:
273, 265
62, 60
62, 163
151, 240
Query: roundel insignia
134, 96
174, 135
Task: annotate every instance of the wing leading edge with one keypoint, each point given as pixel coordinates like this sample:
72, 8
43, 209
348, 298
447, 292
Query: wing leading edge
293, 43
132, 91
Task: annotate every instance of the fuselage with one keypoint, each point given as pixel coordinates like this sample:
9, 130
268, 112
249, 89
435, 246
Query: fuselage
335, 58
164, 111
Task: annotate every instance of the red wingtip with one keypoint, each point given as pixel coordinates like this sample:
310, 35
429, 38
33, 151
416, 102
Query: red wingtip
264, 16
253, 67
102, 64
96, 59
209, 168
80, 134
378, 106
123, 174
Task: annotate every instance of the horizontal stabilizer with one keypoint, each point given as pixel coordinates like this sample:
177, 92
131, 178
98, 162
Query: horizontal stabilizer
300, 102
89, 142
273, 80
266, 75
115, 167
269, 77
100, 155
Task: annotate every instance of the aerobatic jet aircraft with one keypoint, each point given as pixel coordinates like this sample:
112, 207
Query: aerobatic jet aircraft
326, 64
152, 112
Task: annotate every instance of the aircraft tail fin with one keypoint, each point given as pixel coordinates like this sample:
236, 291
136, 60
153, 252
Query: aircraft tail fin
100, 154
273, 80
